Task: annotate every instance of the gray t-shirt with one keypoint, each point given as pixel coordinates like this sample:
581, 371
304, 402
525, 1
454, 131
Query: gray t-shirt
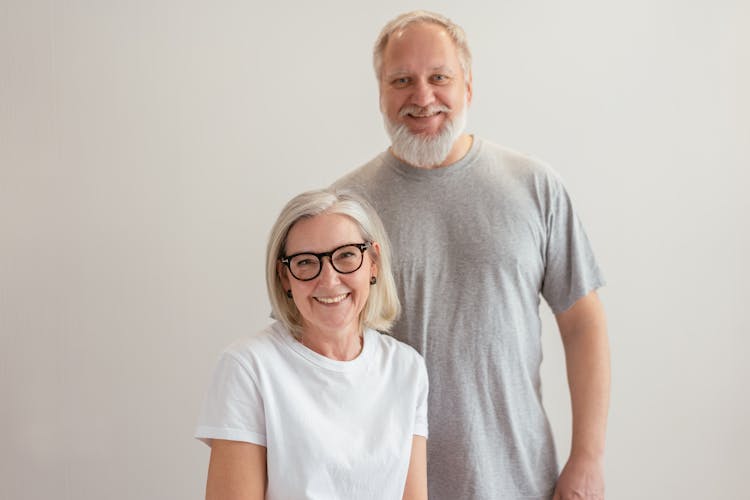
474, 245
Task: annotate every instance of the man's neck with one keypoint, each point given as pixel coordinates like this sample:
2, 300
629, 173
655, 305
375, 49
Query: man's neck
460, 148
457, 152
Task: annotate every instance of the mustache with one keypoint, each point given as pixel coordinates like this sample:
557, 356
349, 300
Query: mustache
419, 111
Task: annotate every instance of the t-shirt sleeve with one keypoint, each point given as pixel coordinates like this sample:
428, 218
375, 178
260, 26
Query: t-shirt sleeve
233, 408
571, 270
420, 420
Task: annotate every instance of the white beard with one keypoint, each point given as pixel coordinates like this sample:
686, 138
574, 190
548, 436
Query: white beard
425, 151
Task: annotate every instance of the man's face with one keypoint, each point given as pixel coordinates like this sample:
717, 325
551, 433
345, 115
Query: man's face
422, 85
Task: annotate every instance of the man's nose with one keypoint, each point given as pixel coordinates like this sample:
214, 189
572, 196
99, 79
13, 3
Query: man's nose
423, 94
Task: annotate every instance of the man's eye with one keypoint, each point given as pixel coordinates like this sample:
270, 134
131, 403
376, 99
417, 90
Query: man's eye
401, 82
439, 78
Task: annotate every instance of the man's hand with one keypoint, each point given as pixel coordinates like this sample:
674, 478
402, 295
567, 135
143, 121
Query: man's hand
581, 479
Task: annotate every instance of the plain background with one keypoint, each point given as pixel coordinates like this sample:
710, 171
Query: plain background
146, 148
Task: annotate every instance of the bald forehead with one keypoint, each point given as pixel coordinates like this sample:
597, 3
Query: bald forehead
422, 30
424, 46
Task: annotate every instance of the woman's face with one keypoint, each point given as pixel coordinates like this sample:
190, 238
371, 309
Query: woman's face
332, 302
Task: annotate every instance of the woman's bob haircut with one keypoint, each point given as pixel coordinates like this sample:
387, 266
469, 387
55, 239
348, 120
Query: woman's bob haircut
382, 307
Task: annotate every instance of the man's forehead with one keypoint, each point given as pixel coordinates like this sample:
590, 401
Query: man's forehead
420, 45
419, 28
418, 36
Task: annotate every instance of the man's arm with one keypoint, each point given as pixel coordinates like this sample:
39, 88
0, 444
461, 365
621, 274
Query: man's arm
584, 335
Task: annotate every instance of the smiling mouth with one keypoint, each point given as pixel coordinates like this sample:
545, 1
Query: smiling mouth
423, 112
332, 300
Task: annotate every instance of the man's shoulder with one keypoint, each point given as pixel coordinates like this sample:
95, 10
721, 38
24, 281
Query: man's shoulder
510, 156
513, 165
362, 175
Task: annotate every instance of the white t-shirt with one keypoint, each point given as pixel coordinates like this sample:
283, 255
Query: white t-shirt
332, 429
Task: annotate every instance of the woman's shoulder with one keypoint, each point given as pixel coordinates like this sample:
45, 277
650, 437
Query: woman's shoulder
392, 347
400, 363
268, 342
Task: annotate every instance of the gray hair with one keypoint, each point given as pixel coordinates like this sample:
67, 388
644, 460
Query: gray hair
382, 307
422, 16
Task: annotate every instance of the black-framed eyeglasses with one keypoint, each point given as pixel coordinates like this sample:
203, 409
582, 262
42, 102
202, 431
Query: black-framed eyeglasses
345, 259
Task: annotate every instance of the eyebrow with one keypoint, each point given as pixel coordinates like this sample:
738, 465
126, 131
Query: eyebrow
444, 69
435, 69
338, 247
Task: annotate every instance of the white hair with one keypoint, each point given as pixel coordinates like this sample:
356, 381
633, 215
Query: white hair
382, 307
455, 31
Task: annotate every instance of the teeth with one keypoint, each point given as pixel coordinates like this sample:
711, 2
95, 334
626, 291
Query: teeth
332, 300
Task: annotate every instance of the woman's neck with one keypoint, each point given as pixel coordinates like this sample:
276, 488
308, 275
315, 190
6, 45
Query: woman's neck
343, 346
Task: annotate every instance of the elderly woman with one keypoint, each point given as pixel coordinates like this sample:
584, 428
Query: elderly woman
319, 405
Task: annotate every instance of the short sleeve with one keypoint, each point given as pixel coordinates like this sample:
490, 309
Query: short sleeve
233, 408
571, 270
420, 419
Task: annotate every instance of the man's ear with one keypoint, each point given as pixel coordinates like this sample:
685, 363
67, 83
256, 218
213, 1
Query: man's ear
469, 88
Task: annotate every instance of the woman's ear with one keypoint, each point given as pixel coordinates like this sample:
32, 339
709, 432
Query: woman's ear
374, 261
281, 270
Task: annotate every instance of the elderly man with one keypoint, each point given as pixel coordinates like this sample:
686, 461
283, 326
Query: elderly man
479, 232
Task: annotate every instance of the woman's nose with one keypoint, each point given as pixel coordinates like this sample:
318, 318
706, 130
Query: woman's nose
327, 272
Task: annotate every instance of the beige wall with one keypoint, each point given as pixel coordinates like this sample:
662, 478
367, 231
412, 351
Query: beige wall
147, 146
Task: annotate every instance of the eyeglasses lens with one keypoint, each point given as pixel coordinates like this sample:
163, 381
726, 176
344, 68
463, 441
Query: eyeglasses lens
344, 260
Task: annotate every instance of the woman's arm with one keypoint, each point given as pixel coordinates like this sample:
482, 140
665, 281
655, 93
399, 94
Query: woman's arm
416, 478
237, 471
